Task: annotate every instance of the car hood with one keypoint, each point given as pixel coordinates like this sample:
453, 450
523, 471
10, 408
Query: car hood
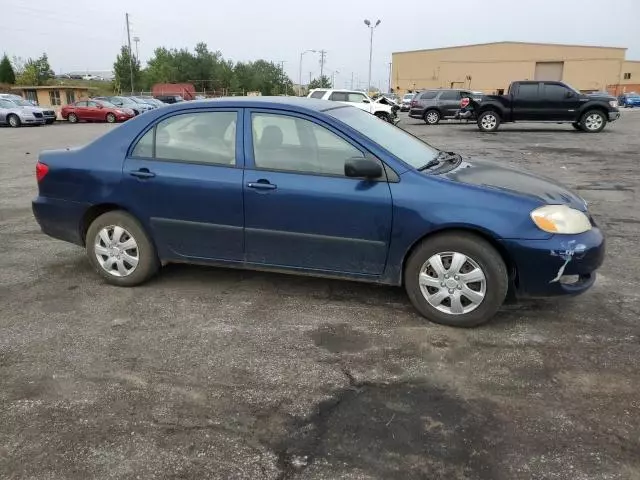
31, 109
493, 175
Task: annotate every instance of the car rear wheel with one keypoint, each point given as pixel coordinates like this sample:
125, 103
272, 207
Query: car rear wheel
456, 279
72, 118
432, 117
577, 126
111, 118
489, 121
120, 250
14, 121
593, 121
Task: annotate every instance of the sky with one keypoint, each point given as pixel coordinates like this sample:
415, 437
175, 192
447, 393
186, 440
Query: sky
79, 35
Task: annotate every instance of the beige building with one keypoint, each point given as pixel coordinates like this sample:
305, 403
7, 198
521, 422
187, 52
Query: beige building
491, 67
55, 96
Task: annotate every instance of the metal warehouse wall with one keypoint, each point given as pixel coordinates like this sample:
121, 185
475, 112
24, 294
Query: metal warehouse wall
490, 67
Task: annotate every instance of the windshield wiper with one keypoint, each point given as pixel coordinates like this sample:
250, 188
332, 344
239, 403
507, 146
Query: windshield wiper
441, 157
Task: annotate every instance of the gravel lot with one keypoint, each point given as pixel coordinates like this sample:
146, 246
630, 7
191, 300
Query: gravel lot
213, 373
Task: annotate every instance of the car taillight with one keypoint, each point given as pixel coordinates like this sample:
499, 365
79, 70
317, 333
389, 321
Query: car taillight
465, 102
41, 171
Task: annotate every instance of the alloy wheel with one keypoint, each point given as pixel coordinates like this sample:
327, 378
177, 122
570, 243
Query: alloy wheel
452, 283
593, 121
116, 251
432, 117
489, 122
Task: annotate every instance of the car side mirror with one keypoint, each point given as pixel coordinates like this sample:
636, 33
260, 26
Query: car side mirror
569, 95
99, 106
366, 100
359, 167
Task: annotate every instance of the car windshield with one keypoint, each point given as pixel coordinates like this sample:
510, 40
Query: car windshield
106, 104
125, 100
403, 145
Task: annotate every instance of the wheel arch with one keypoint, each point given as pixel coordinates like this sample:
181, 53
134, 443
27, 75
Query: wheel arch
593, 106
94, 212
468, 230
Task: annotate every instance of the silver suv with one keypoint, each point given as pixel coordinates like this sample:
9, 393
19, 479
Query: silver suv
434, 105
16, 116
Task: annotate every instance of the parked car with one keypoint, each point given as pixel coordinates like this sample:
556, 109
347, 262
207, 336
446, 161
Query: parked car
629, 100
16, 115
321, 189
534, 101
48, 113
95, 111
356, 99
405, 104
434, 105
170, 99
127, 102
146, 101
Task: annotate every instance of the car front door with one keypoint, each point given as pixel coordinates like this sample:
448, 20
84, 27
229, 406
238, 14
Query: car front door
183, 178
93, 112
80, 109
561, 103
301, 211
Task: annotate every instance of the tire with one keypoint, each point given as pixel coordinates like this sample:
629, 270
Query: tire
384, 116
593, 121
489, 121
72, 118
144, 251
577, 126
432, 117
489, 293
14, 121
110, 118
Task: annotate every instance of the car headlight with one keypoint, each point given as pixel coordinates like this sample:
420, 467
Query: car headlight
560, 219
613, 103
119, 112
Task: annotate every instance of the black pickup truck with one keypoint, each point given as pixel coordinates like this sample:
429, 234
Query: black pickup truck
537, 101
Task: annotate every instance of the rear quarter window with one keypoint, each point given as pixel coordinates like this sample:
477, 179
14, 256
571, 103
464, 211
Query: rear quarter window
318, 94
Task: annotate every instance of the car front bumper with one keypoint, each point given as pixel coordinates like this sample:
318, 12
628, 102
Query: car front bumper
560, 265
32, 121
613, 116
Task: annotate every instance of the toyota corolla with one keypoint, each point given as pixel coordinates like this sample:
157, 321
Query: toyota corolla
319, 188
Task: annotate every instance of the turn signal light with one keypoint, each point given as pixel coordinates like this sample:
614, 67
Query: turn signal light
41, 171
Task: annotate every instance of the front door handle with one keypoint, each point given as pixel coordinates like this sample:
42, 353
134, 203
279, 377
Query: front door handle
142, 173
262, 185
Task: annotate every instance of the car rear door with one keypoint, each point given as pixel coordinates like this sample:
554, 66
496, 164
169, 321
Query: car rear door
80, 109
526, 102
93, 112
449, 102
183, 178
301, 211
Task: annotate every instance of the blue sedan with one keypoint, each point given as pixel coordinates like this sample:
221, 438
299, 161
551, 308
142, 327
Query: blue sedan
313, 187
629, 100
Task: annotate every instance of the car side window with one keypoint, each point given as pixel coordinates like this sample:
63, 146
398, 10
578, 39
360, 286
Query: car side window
450, 95
527, 91
318, 94
204, 137
355, 97
81, 104
339, 97
427, 95
92, 104
286, 143
555, 92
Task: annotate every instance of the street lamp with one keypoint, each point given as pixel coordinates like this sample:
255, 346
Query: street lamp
370, 27
333, 78
300, 73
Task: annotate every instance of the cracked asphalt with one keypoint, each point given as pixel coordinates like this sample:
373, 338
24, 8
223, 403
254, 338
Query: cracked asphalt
223, 374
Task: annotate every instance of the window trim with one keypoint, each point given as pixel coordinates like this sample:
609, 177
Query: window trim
239, 147
250, 163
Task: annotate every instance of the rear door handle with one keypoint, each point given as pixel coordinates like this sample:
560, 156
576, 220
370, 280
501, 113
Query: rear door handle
262, 185
142, 173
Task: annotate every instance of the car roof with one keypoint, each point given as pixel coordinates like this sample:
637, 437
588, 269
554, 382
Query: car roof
302, 103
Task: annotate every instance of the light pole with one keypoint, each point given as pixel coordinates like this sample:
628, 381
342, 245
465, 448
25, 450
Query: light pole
300, 72
371, 28
333, 78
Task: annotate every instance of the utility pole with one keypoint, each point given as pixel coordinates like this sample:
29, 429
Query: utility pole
309, 78
281, 62
126, 16
323, 53
390, 67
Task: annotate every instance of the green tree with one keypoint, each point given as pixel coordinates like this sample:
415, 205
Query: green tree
322, 82
122, 69
33, 71
7, 75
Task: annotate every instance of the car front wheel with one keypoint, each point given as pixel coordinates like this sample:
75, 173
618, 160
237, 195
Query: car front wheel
489, 121
593, 121
14, 121
456, 279
120, 250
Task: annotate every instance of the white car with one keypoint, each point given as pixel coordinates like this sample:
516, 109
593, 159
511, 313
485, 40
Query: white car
356, 99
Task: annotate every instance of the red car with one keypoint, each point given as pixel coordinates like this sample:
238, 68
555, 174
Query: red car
95, 111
